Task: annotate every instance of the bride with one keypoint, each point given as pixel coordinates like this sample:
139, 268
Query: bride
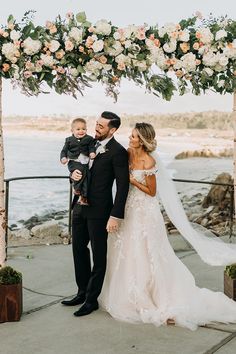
145, 281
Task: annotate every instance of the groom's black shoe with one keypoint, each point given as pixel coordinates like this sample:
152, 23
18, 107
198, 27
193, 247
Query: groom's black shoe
77, 300
86, 309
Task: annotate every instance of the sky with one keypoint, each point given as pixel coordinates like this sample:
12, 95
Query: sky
132, 99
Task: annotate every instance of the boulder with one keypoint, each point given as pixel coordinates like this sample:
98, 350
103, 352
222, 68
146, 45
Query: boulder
47, 229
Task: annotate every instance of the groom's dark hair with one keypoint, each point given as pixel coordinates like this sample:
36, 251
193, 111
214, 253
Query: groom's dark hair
113, 118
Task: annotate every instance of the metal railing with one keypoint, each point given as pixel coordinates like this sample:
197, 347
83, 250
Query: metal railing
7, 193
8, 180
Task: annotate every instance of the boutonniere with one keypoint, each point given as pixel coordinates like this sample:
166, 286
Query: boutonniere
102, 149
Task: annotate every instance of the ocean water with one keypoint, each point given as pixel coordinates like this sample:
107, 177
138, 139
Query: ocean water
34, 155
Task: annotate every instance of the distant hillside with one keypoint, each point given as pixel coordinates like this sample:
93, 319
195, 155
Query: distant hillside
193, 120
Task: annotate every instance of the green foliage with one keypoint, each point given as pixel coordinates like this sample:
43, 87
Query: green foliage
9, 276
231, 270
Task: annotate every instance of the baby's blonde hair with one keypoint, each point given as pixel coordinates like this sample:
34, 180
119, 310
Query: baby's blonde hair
78, 120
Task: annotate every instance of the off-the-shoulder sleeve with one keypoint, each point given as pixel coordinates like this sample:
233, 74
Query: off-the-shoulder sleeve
150, 172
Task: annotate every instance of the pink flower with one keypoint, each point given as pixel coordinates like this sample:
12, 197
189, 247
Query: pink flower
69, 15
69, 46
27, 74
60, 70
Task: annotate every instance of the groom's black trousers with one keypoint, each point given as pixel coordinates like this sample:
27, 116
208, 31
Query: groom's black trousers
84, 230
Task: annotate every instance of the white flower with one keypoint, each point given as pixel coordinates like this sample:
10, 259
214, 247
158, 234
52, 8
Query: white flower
170, 46
76, 34
106, 67
167, 28
184, 35
178, 65
10, 51
116, 49
208, 71
73, 72
47, 60
103, 27
98, 46
116, 36
221, 83
54, 45
142, 65
93, 67
15, 35
222, 60
189, 62
32, 46
205, 35
127, 43
209, 59
220, 34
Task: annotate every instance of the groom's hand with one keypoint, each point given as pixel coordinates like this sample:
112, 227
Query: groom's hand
76, 175
112, 224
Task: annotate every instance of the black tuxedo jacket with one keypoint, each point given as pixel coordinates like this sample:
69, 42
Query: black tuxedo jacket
73, 146
108, 166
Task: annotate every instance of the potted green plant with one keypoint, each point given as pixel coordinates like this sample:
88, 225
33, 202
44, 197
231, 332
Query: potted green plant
10, 294
230, 281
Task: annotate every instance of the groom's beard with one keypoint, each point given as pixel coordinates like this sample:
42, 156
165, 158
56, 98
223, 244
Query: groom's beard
100, 137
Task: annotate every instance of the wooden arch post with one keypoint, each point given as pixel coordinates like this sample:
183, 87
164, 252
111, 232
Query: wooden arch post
2, 202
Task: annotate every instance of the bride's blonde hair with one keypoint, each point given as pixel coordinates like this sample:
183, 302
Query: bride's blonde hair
147, 135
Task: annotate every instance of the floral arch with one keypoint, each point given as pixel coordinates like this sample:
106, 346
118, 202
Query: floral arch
70, 54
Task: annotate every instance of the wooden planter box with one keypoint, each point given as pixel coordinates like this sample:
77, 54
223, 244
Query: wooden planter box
230, 286
10, 302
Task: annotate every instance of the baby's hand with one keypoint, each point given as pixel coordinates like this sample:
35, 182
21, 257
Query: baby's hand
92, 155
64, 160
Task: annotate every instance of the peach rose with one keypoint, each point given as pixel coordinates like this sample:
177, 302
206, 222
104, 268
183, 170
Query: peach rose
5, 34
59, 54
121, 66
81, 49
198, 62
152, 37
196, 45
5, 67
198, 35
157, 42
91, 29
184, 47
69, 46
102, 59
179, 73
115, 78
174, 34
230, 45
89, 42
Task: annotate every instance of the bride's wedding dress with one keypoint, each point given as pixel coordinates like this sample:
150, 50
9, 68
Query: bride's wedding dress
145, 281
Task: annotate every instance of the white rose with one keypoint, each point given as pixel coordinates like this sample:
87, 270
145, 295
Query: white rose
116, 49
221, 83
178, 64
107, 67
76, 34
189, 62
73, 72
209, 59
15, 35
167, 28
127, 43
10, 51
170, 46
223, 60
220, 34
32, 46
116, 36
205, 35
184, 36
129, 30
98, 46
103, 27
142, 65
208, 71
47, 60
54, 45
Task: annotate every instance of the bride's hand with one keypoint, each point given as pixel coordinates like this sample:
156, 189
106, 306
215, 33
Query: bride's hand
132, 179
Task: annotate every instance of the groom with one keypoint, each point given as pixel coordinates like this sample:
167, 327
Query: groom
92, 223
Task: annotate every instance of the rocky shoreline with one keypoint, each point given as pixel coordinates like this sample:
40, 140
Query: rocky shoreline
212, 211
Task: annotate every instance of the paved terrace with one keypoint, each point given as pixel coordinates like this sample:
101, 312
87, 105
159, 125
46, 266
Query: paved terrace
47, 327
